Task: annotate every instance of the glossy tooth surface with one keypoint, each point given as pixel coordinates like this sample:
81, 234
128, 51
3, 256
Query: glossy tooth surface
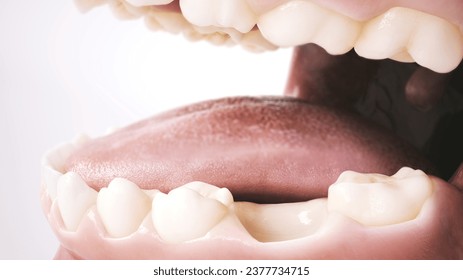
122, 207
141, 3
74, 198
280, 222
300, 22
408, 35
379, 200
190, 211
220, 13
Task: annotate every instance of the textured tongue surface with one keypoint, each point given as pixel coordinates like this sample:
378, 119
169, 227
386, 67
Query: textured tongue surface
262, 149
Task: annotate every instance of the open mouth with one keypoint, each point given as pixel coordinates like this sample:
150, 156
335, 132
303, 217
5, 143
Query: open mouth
360, 159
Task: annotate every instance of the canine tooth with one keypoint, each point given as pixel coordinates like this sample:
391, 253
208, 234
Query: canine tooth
122, 207
280, 222
377, 200
299, 22
190, 211
141, 3
74, 198
403, 33
221, 13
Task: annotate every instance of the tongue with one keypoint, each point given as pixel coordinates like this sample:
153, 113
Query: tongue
263, 149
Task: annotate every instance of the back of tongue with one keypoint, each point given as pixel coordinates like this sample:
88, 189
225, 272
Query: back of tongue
263, 149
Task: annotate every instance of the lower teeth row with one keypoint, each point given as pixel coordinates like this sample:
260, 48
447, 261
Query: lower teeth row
191, 211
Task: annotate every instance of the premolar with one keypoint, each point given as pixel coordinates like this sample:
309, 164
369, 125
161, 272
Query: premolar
122, 207
190, 211
300, 22
221, 13
379, 200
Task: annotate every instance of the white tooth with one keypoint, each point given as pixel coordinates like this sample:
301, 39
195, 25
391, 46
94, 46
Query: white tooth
255, 42
403, 57
122, 207
280, 222
376, 200
300, 22
190, 211
436, 44
403, 33
53, 167
141, 3
50, 179
169, 21
221, 13
223, 34
222, 195
74, 198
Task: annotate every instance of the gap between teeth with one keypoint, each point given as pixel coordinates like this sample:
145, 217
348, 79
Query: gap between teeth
400, 34
195, 209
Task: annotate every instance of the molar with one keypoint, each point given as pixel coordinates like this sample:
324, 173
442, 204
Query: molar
409, 35
300, 22
74, 198
281, 222
220, 13
122, 207
190, 211
379, 200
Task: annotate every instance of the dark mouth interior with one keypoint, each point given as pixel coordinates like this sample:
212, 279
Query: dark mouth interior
422, 107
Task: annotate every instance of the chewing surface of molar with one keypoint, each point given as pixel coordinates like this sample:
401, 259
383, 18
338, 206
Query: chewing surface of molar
280, 222
378, 200
408, 35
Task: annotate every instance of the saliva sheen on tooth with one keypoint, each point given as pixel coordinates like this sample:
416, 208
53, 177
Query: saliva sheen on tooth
193, 210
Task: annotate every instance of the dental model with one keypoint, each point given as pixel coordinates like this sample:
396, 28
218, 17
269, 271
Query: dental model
270, 177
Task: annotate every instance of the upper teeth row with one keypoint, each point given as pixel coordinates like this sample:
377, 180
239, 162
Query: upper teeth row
401, 34
193, 210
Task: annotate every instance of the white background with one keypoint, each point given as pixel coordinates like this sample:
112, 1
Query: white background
63, 73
